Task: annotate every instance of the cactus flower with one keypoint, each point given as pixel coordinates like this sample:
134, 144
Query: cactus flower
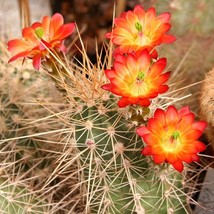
172, 137
136, 78
50, 33
139, 29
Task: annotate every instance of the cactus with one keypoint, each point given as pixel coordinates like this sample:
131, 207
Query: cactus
27, 163
206, 105
118, 179
79, 152
15, 198
19, 155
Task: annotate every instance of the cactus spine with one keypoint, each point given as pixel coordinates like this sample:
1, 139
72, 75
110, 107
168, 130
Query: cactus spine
207, 105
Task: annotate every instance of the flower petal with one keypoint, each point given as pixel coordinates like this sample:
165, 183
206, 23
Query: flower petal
29, 35
171, 157
183, 111
123, 102
19, 55
146, 151
190, 135
159, 158
178, 165
37, 61
168, 39
172, 118
56, 22
142, 130
185, 123
164, 17
144, 102
201, 125
64, 31
157, 68
199, 146
156, 127
160, 115
107, 87
18, 45
185, 157
151, 139
45, 25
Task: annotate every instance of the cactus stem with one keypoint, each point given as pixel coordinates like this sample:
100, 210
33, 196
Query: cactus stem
88, 199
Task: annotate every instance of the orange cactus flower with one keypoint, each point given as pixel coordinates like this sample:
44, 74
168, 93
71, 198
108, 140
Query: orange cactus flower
172, 137
50, 33
139, 29
136, 78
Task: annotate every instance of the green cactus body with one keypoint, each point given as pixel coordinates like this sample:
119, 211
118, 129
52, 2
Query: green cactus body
19, 199
117, 178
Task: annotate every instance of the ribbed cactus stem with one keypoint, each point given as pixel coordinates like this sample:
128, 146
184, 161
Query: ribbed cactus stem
207, 105
117, 176
15, 198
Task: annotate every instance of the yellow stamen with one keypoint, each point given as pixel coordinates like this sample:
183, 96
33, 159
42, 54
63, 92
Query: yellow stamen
39, 32
172, 142
139, 26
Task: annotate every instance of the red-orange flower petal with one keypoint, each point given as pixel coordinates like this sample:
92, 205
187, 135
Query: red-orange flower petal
37, 61
136, 78
18, 46
171, 136
172, 118
19, 55
183, 111
50, 33
178, 165
158, 159
139, 29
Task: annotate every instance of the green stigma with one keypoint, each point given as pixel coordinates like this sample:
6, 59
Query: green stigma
39, 32
175, 135
140, 76
138, 26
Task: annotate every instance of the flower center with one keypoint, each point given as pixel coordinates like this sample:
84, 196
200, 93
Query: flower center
175, 135
39, 32
172, 142
140, 77
139, 26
